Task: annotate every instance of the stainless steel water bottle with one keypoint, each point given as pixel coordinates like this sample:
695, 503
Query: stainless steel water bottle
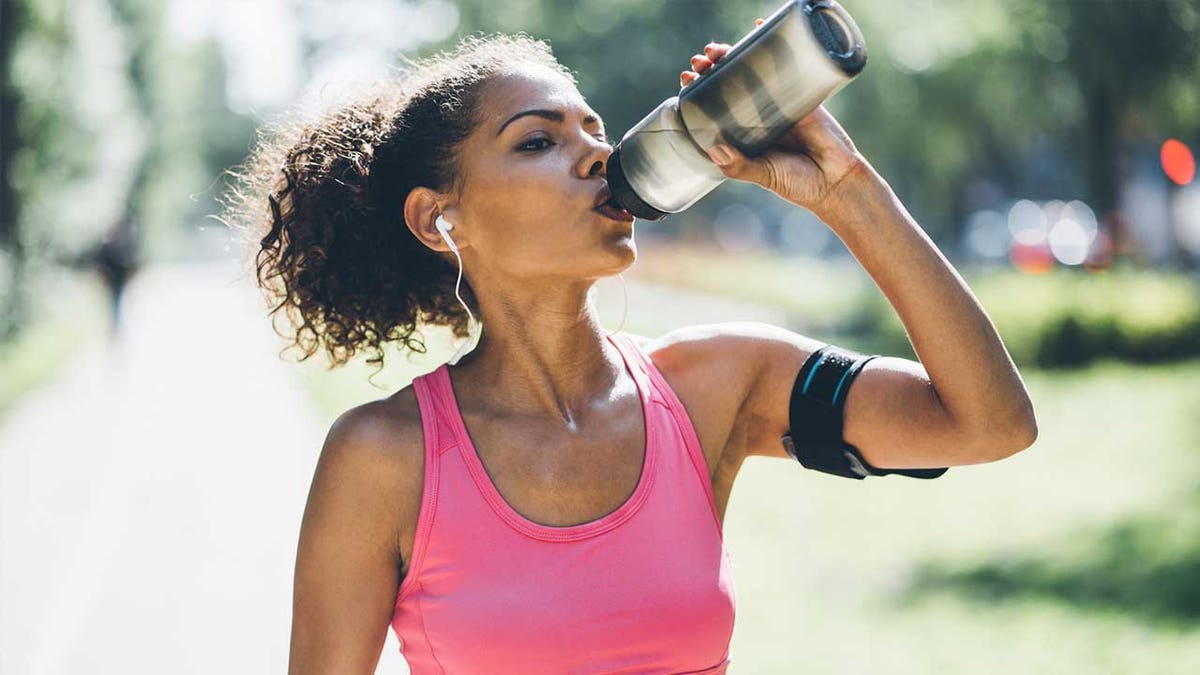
770, 79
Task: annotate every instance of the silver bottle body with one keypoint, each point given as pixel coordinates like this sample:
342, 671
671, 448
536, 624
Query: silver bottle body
769, 80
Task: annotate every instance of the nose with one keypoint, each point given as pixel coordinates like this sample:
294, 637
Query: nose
595, 160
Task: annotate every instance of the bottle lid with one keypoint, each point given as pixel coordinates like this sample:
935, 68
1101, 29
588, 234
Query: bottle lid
623, 194
838, 35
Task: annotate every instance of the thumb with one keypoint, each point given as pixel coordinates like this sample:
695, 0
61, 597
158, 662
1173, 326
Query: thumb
740, 167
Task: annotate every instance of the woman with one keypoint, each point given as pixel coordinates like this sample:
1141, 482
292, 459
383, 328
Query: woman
553, 502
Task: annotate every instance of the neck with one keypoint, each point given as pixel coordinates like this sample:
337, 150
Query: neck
542, 355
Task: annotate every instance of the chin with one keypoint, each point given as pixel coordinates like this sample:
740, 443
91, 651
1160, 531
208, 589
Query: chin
619, 255
626, 250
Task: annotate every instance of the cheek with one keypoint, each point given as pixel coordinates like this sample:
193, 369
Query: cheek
524, 192
534, 215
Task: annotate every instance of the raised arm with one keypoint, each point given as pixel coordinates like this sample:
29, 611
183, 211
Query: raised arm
366, 484
964, 402
740, 377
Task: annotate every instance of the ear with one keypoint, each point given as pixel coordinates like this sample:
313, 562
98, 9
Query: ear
421, 209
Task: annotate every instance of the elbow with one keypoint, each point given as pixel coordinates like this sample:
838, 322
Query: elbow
1007, 436
1025, 425
1025, 435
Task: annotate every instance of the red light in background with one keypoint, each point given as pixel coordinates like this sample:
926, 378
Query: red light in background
1177, 162
1031, 258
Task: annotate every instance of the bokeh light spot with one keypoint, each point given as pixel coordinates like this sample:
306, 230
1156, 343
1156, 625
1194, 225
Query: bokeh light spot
1178, 162
1026, 215
1069, 241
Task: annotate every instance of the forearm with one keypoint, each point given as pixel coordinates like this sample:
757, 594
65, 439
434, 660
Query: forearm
953, 337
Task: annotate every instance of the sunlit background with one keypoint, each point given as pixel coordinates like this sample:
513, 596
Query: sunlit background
156, 451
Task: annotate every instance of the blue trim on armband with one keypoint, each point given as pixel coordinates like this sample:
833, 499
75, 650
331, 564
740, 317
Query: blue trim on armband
853, 369
839, 387
808, 381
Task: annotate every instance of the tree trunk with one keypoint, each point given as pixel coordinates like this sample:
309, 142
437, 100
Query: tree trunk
11, 306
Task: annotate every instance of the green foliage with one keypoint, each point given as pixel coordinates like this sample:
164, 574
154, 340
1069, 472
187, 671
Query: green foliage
1070, 318
53, 151
994, 89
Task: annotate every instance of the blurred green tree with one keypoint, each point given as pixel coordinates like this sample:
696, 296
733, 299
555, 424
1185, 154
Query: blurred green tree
103, 118
189, 132
1044, 100
11, 255
46, 153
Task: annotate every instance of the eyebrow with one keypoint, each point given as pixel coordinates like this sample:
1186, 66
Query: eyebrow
553, 115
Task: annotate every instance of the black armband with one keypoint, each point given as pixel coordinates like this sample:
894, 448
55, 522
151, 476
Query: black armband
815, 415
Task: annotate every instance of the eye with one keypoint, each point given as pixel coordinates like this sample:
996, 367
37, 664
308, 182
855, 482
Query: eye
525, 146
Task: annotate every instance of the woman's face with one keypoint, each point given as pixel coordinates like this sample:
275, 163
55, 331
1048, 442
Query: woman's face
532, 179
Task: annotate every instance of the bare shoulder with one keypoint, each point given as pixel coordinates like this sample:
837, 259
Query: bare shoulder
376, 452
383, 434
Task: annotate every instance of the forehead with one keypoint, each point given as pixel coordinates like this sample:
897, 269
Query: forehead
527, 86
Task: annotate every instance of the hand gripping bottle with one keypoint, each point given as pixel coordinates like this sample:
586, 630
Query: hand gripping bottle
774, 76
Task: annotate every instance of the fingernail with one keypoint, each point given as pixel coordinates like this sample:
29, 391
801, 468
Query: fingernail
720, 154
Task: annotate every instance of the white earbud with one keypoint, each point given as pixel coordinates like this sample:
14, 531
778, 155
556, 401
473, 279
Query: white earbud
444, 226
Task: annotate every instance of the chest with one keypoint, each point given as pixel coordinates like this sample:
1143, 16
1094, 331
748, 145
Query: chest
559, 475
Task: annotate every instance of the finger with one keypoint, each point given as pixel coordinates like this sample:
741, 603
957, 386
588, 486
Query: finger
715, 51
734, 164
758, 22
700, 63
687, 77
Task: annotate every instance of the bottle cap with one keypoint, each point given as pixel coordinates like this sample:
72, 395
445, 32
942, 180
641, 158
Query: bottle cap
624, 195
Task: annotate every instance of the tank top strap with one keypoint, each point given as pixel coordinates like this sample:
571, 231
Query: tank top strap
438, 437
435, 409
640, 366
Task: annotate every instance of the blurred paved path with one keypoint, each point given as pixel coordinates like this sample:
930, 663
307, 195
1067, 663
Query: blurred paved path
150, 497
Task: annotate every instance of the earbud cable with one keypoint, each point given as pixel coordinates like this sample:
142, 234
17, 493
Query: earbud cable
625, 309
470, 343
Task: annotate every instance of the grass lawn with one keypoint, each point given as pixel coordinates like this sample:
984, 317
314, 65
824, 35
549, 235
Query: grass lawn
1079, 555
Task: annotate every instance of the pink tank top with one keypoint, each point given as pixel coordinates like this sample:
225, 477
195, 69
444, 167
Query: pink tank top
644, 589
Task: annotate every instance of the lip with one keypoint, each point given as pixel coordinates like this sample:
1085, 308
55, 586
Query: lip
602, 196
610, 210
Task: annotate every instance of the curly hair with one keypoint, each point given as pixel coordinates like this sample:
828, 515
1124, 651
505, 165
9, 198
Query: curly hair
322, 203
